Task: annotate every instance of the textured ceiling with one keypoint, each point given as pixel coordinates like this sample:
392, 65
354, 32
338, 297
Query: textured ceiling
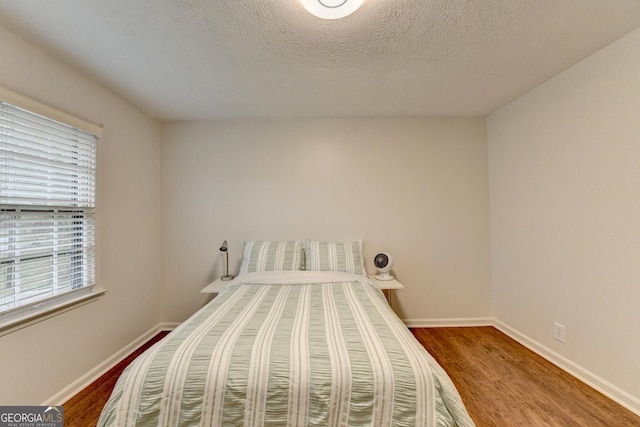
194, 59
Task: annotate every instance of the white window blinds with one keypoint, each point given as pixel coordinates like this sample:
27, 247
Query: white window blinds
47, 209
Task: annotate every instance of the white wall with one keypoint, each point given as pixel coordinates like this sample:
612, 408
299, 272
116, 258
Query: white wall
564, 181
564, 164
40, 360
417, 188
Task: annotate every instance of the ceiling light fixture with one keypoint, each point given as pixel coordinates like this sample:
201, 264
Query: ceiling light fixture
331, 9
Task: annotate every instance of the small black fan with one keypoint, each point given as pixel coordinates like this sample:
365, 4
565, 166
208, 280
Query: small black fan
383, 262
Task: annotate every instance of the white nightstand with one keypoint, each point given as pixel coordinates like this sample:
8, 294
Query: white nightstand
214, 287
387, 286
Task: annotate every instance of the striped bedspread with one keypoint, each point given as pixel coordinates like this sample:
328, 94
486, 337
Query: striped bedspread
298, 349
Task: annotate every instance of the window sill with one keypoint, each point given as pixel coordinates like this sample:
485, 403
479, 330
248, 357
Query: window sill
27, 318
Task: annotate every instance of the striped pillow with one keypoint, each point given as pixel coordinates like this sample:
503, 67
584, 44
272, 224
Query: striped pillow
334, 256
271, 256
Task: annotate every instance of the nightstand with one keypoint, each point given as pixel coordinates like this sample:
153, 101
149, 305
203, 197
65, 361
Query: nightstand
387, 286
214, 287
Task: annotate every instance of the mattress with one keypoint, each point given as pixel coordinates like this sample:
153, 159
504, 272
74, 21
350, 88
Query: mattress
288, 349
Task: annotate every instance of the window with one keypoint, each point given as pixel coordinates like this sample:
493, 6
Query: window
47, 212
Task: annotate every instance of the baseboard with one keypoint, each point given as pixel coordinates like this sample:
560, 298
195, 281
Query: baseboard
88, 378
611, 391
448, 322
167, 326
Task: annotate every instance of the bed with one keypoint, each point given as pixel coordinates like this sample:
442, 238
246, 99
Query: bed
288, 348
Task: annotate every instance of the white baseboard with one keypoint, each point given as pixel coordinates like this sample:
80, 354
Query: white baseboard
167, 326
611, 391
451, 322
84, 381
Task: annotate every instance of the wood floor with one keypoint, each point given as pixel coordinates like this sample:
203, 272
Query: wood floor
502, 384
83, 409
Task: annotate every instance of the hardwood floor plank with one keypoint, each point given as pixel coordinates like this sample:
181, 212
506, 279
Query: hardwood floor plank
83, 409
501, 382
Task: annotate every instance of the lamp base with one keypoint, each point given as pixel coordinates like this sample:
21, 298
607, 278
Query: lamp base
227, 277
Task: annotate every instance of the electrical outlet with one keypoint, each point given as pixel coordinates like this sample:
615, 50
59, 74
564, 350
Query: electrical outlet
558, 332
